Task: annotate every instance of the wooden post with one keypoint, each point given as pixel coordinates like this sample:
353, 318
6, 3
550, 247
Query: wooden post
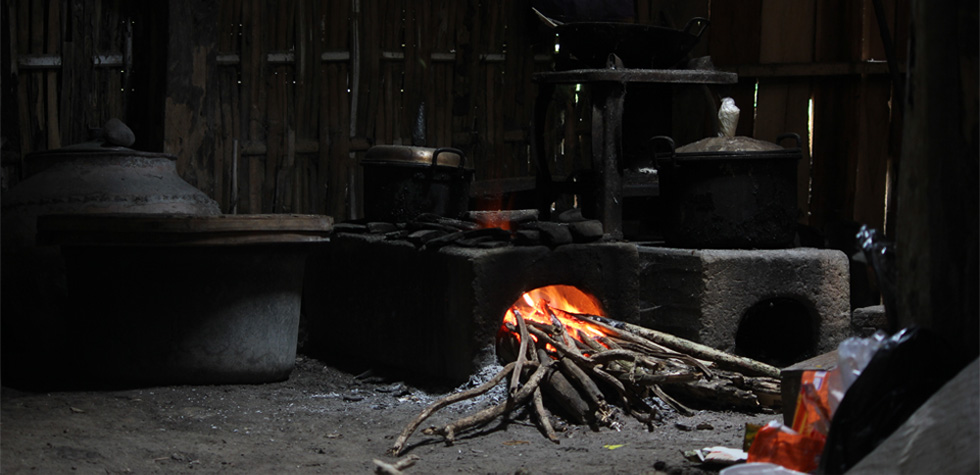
937, 238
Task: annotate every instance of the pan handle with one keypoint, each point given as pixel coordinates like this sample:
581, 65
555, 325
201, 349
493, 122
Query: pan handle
436, 152
790, 135
695, 22
656, 156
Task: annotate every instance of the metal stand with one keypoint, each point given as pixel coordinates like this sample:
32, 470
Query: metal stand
610, 181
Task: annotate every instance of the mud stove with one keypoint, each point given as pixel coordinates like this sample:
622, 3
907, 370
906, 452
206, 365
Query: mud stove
435, 312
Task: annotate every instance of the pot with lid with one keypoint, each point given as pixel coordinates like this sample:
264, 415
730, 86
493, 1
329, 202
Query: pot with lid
730, 192
100, 176
402, 182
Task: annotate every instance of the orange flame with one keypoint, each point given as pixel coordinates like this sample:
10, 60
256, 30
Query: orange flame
544, 305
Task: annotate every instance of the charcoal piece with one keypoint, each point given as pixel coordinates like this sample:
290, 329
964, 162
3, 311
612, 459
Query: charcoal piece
400, 234
353, 228
422, 236
456, 224
572, 215
495, 233
492, 244
444, 240
527, 237
554, 234
476, 242
381, 227
497, 217
459, 224
416, 225
586, 231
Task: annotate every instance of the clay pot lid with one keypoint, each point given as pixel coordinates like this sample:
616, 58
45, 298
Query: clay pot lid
729, 146
182, 230
112, 141
408, 155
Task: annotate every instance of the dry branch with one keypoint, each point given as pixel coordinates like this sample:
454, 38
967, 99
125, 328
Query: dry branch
691, 348
578, 372
399, 445
488, 414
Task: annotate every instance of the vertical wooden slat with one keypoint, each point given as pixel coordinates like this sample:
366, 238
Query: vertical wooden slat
53, 46
254, 83
838, 38
20, 30
783, 104
735, 39
336, 108
190, 89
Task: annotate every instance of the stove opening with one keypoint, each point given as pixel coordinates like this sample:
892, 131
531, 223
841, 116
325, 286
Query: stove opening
779, 331
553, 307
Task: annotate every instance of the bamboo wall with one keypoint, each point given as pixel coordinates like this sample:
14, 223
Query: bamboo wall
269, 105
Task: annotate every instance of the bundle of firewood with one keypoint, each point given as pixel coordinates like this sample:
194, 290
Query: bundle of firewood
584, 374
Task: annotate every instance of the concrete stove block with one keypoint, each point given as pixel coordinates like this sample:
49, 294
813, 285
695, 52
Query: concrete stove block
435, 313
779, 306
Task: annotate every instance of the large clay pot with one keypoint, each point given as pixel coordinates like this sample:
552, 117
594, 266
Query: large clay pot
166, 299
101, 176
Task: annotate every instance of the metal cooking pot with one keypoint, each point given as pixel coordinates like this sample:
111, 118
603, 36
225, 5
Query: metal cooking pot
402, 182
587, 45
730, 193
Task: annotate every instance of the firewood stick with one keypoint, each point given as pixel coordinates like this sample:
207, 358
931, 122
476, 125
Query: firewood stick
560, 330
563, 350
612, 345
647, 379
626, 356
666, 355
449, 431
585, 384
395, 468
694, 349
515, 378
399, 445
544, 419
718, 391
603, 345
671, 401
561, 390
580, 359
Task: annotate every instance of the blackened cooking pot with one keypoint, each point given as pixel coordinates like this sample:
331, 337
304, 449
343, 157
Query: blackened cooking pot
730, 193
402, 182
587, 45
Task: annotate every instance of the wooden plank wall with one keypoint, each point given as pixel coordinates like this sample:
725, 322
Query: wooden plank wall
270, 105
322, 81
805, 65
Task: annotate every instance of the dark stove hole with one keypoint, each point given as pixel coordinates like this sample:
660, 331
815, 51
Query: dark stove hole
779, 331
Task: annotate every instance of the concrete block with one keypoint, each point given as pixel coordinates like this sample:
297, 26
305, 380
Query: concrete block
779, 306
435, 313
867, 320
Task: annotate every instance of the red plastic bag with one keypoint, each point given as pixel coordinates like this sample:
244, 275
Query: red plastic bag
778, 444
819, 395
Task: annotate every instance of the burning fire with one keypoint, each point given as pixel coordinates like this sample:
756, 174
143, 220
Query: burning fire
552, 306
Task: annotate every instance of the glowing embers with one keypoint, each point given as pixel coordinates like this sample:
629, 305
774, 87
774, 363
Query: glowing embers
559, 311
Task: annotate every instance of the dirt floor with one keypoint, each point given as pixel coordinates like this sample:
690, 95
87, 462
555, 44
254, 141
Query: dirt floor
324, 420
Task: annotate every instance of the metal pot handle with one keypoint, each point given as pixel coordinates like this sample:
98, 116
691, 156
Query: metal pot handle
656, 158
792, 135
436, 152
703, 22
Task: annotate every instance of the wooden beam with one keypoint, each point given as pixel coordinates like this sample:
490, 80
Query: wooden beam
810, 69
